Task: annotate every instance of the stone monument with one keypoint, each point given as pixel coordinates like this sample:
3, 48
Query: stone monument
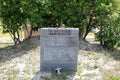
59, 47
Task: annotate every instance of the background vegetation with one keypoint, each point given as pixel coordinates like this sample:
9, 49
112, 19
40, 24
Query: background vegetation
82, 14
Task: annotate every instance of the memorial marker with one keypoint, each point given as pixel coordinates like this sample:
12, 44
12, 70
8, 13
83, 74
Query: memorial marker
59, 47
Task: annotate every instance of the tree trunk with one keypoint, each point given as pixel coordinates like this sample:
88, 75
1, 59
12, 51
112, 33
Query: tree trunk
14, 38
88, 28
31, 30
81, 31
101, 36
30, 33
18, 37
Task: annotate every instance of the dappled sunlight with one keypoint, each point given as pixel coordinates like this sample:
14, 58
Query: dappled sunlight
21, 61
5, 39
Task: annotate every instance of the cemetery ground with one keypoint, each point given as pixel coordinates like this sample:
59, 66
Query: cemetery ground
22, 62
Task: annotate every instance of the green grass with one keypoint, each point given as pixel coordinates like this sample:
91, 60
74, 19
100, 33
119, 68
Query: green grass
10, 78
117, 56
30, 69
54, 76
79, 70
109, 75
79, 63
46, 78
96, 56
113, 78
14, 46
96, 65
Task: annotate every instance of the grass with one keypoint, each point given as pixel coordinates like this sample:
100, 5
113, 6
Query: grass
117, 67
14, 46
10, 78
12, 72
96, 65
6, 39
46, 78
27, 70
109, 75
96, 56
113, 78
79, 70
54, 76
89, 75
7, 34
4, 45
117, 57
91, 34
30, 69
79, 63
90, 37
90, 52
3, 34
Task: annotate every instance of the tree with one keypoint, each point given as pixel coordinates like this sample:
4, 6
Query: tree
12, 18
16, 13
82, 14
68, 12
109, 23
33, 12
85, 14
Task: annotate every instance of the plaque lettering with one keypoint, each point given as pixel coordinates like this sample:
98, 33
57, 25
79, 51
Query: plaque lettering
59, 32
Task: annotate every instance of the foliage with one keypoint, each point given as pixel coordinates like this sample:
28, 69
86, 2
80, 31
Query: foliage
82, 14
109, 25
12, 18
16, 13
64, 12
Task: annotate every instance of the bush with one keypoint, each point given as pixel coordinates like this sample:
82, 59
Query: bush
107, 39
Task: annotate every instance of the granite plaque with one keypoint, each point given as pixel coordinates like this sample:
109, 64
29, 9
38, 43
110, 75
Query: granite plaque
59, 47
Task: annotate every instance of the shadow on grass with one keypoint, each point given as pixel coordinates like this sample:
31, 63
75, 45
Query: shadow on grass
96, 47
14, 51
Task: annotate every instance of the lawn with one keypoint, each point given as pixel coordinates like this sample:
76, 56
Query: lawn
22, 62
6, 39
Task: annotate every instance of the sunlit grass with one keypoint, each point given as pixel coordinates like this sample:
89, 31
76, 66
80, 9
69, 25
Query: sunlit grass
5, 45
91, 34
6, 39
3, 34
